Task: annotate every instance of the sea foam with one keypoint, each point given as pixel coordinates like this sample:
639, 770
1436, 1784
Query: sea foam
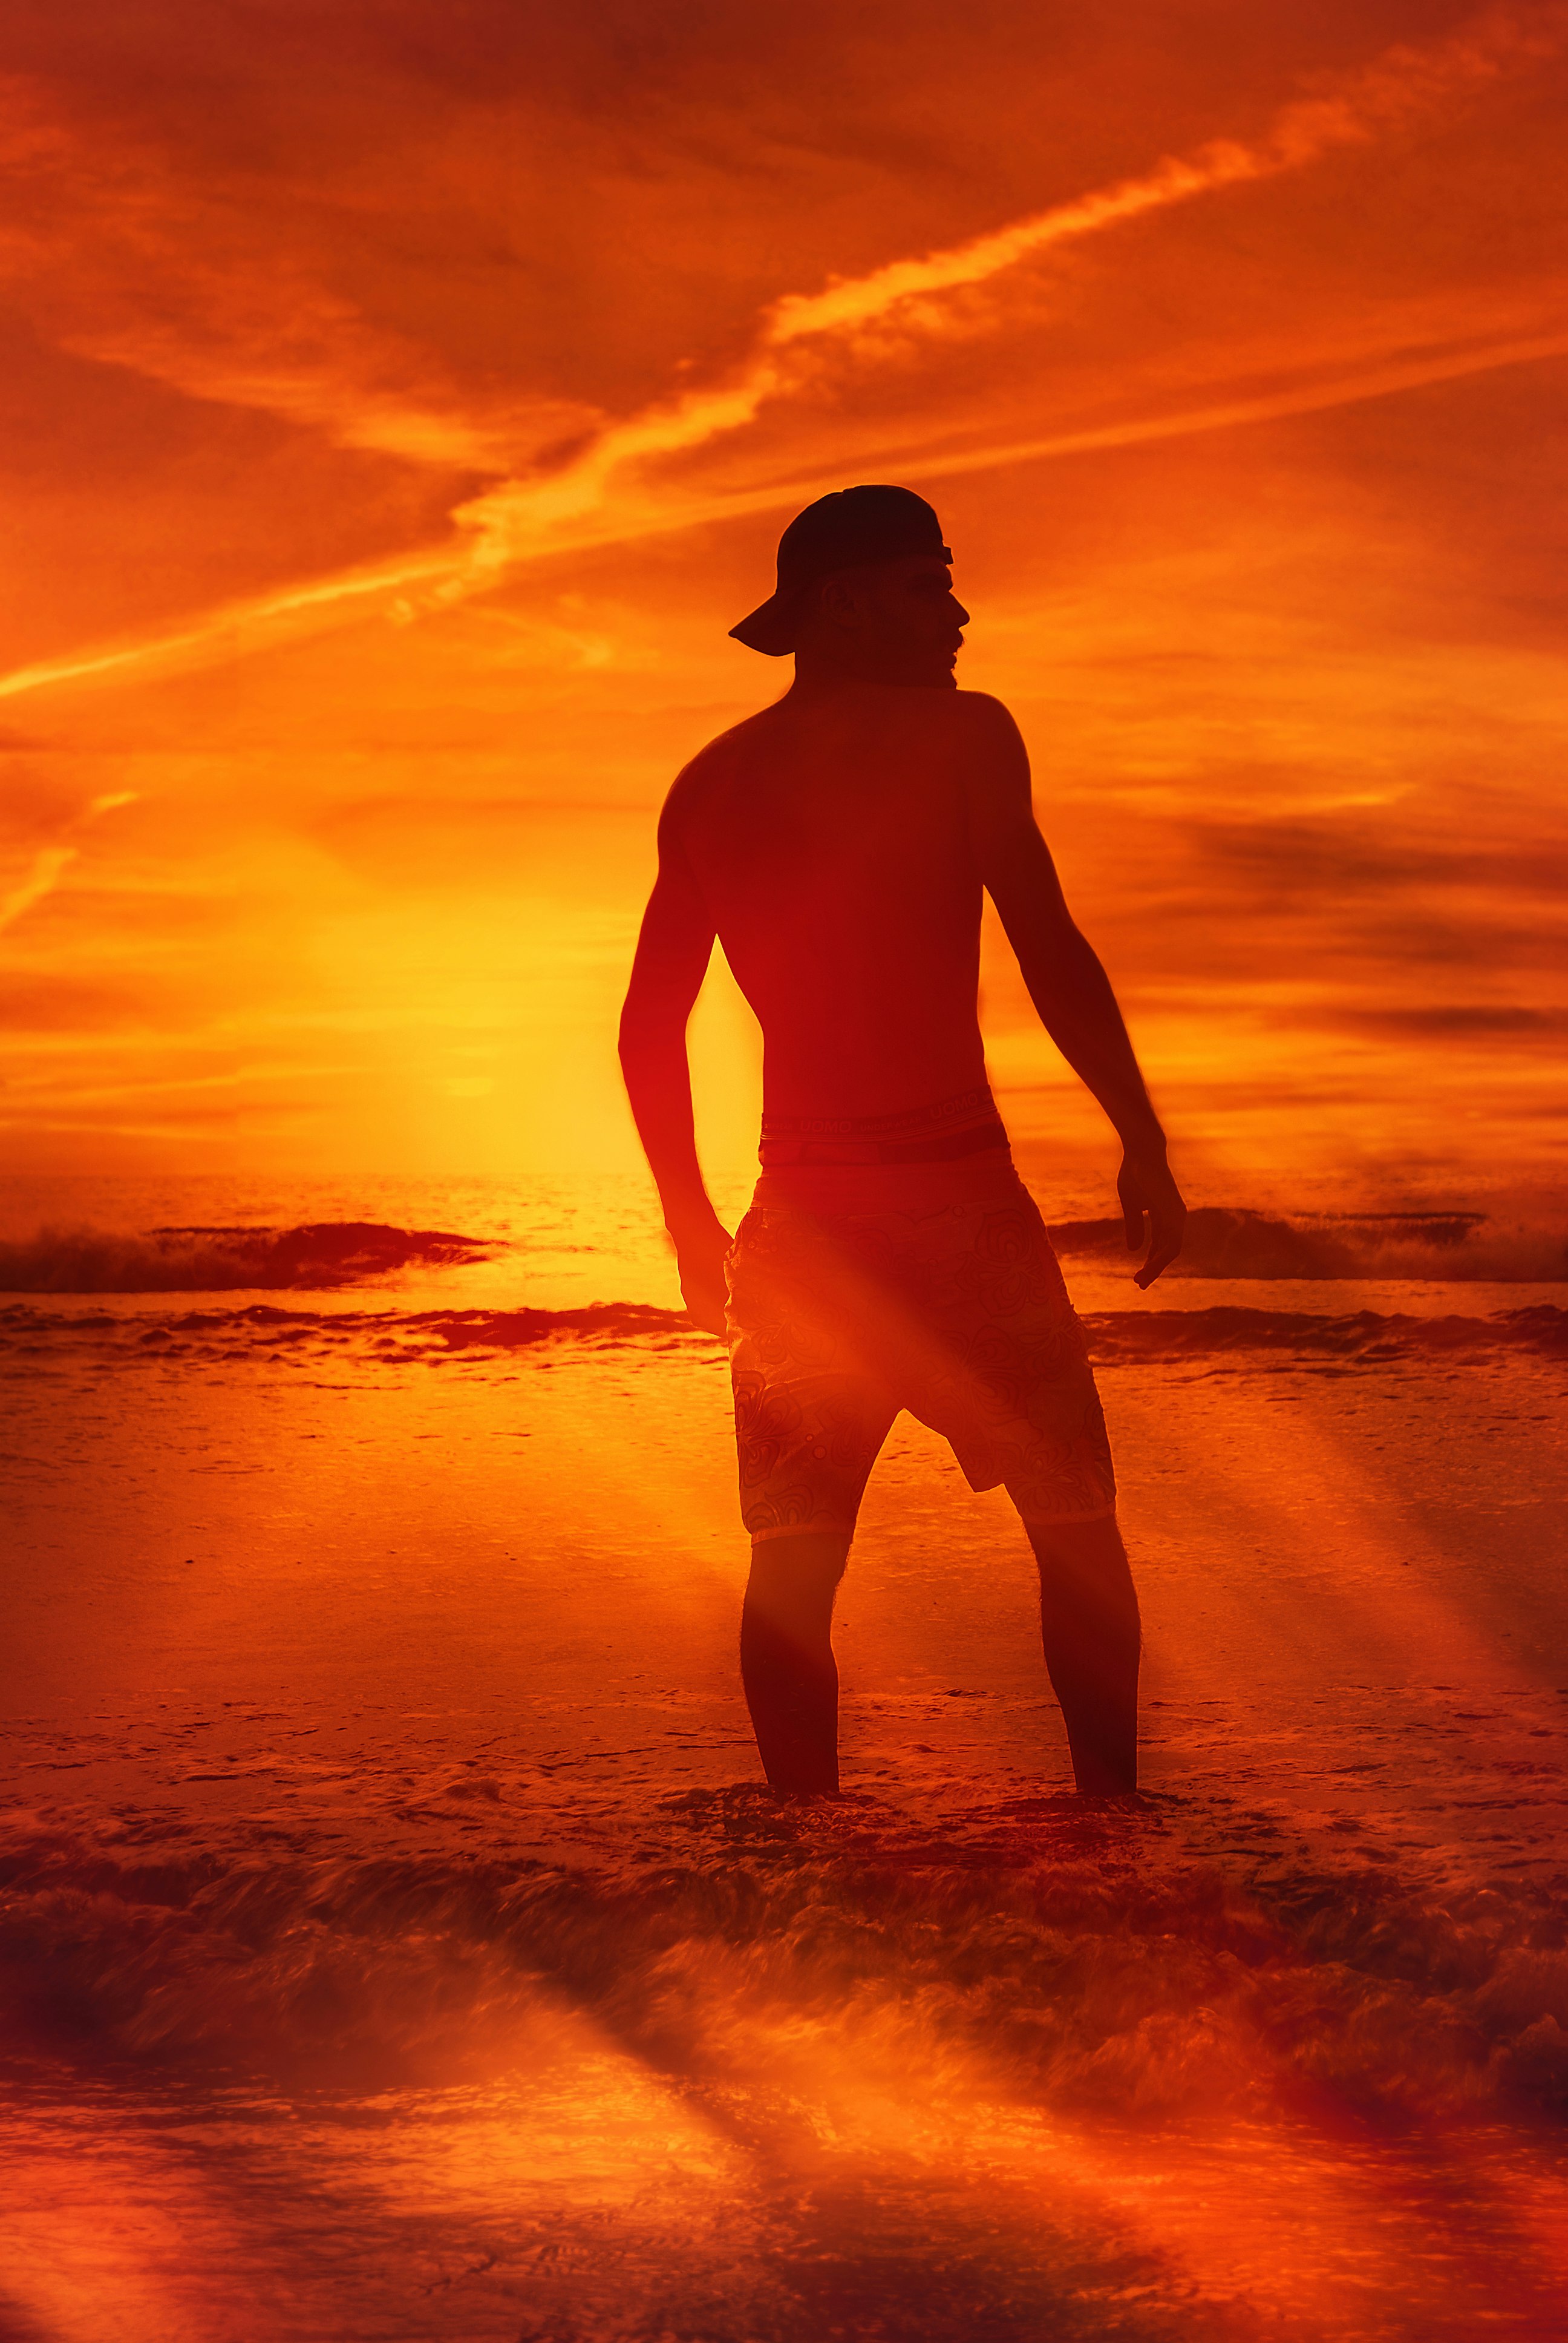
318, 1254
1070, 1961
387, 1337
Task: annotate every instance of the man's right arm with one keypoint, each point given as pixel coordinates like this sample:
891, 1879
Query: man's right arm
672, 956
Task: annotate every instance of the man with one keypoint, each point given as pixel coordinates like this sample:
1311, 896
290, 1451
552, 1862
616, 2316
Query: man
838, 845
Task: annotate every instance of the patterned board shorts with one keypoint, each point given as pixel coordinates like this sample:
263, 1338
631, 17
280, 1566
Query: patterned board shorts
837, 1320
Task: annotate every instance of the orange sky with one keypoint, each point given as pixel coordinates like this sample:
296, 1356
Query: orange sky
403, 401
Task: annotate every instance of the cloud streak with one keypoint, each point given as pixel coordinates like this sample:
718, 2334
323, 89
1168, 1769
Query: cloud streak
50, 864
1405, 82
122, 262
604, 495
520, 518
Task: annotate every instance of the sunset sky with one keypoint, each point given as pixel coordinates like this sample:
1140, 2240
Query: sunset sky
402, 401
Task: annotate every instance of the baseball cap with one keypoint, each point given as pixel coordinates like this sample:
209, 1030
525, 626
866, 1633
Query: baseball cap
841, 531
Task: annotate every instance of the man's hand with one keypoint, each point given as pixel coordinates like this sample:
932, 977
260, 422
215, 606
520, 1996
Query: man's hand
701, 1262
1144, 1185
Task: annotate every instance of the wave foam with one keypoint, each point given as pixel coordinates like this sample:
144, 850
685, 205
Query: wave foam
1465, 1247
1220, 1244
1364, 1338
432, 1337
1079, 1965
321, 1254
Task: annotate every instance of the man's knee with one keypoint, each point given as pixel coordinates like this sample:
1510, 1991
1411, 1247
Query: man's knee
812, 1554
1078, 1544
1085, 1560
793, 1580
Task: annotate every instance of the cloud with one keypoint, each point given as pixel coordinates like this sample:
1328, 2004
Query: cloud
61, 1005
322, 368
1358, 850
50, 863
520, 518
1405, 82
119, 260
1452, 1020
517, 523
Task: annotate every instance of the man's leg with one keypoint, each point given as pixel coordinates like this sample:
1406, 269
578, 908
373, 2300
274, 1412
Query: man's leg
1090, 1628
787, 1662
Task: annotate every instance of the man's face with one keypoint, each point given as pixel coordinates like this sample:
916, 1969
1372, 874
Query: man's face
897, 621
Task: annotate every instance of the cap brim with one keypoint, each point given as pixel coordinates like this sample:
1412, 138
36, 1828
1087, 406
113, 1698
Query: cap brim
771, 627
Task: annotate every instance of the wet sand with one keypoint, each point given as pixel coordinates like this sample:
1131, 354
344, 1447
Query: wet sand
398, 1942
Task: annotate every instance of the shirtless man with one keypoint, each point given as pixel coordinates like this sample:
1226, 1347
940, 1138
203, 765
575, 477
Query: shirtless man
838, 845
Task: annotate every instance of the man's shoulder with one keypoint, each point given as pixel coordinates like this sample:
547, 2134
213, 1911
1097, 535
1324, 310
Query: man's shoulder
732, 747
984, 715
718, 762
972, 721
991, 738
977, 727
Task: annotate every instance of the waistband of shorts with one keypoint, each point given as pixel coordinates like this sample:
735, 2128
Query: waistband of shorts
825, 1189
942, 1131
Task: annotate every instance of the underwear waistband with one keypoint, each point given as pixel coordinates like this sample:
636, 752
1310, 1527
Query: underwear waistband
951, 1128
823, 1191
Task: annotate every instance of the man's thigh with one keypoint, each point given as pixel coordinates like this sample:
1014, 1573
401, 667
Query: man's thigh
805, 1448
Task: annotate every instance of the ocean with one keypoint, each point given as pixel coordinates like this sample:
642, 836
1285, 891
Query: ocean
396, 1940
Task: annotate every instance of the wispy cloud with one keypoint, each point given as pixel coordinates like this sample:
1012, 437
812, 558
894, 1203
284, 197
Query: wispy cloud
47, 867
609, 492
520, 518
1374, 381
1402, 83
50, 863
121, 262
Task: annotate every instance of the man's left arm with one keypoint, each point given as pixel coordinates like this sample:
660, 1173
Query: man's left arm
1066, 982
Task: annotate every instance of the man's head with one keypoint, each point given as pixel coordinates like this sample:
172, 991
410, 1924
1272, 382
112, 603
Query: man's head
864, 591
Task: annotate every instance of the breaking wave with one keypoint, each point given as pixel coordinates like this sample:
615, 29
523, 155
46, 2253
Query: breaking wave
1366, 1337
1443, 1246
432, 1337
1084, 1963
322, 1253
1221, 1242
381, 1336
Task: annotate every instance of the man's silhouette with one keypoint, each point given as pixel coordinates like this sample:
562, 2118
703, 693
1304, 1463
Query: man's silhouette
838, 845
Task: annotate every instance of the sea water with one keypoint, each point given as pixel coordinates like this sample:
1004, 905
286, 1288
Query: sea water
397, 1941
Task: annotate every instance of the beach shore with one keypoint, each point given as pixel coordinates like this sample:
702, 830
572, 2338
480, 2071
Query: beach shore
399, 1941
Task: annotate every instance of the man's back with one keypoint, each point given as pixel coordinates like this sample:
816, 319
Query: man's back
830, 839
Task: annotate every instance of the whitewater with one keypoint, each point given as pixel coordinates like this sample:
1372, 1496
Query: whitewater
395, 1940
